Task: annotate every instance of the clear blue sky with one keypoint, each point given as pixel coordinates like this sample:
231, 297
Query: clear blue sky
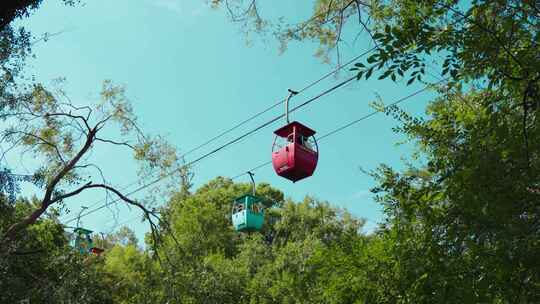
190, 75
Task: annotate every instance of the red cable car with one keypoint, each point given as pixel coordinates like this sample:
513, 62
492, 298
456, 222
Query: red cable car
295, 152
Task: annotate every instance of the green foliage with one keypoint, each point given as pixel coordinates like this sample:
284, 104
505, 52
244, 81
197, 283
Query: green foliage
493, 41
44, 269
470, 210
14, 49
201, 259
485, 40
129, 274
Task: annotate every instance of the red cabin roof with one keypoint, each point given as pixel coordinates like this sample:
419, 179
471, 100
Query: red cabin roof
288, 129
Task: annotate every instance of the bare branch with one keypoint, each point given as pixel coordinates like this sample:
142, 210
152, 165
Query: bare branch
339, 29
243, 15
50, 188
102, 122
70, 116
70, 194
149, 214
71, 126
116, 143
4, 152
70, 104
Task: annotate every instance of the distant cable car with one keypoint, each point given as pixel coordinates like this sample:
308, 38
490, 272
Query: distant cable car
295, 151
83, 239
248, 211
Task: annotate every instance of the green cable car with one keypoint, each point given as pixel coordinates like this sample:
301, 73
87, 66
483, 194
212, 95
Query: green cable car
248, 211
83, 241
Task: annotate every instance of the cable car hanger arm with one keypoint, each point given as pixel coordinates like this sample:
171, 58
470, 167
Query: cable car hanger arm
252, 182
291, 94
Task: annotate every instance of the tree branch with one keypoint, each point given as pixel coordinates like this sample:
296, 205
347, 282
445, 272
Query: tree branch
70, 194
116, 142
69, 166
70, 116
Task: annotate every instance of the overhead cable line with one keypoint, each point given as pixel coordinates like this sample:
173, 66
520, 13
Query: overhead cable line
231, 142
46, 36
349, 124
258, 114
307, 87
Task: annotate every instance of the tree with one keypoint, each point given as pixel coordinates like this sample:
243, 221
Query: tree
132, 275
471, 209
60, 133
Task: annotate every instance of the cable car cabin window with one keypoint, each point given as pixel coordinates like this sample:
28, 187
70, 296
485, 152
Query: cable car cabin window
303, 140
307, 143
281, 142
238, 208
256, 208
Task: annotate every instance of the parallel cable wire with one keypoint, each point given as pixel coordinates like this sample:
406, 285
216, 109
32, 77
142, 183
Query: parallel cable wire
349, 124
46, 36
258, 114
312, 84
231, 142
